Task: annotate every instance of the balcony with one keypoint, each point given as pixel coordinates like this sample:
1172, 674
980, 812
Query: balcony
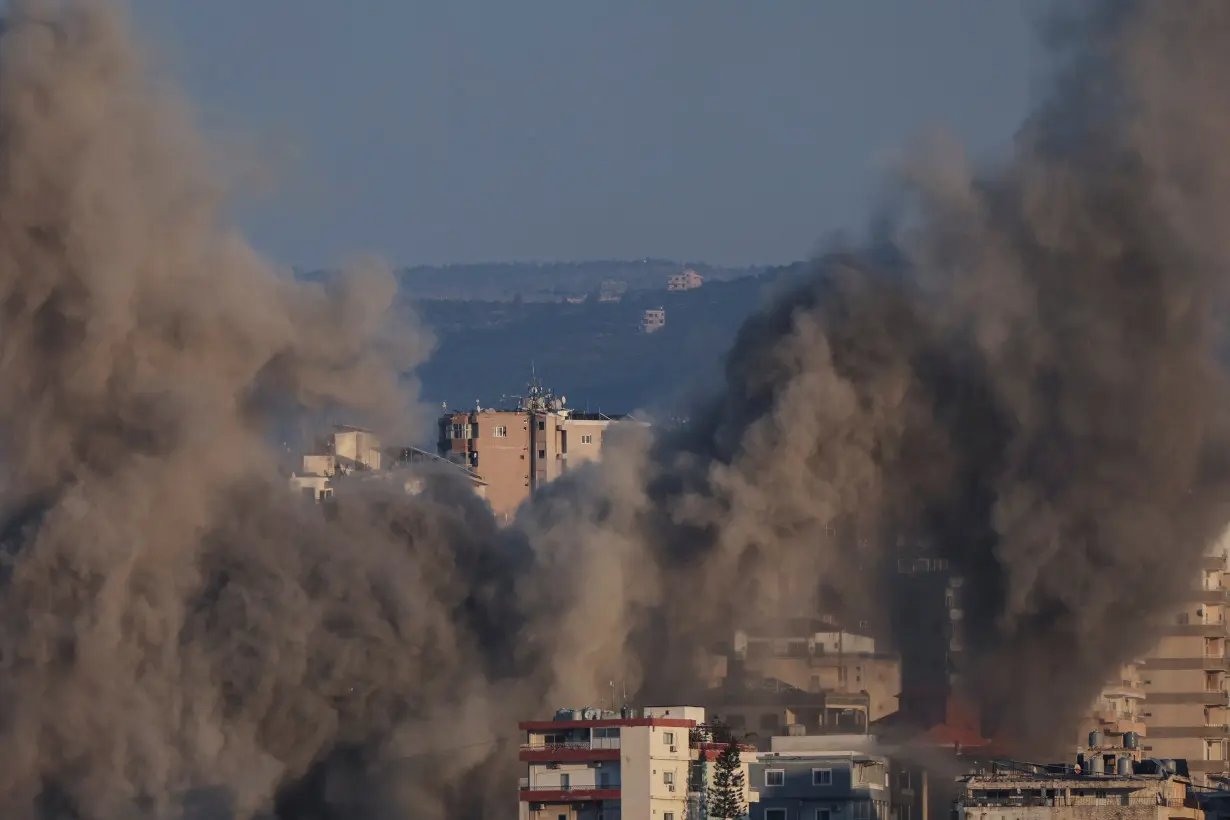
566, 794
1211, 596
599, 748
1113, 723
1124, 689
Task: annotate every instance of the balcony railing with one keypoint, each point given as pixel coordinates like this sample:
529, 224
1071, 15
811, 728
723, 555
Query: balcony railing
570, 788
1110, 800
572, 745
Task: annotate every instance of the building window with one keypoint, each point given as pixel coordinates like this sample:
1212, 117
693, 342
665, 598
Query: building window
822, 777
587, 439
542, 425
822, 814
668, 815
499, 432
861, 810
903, 780
668, 738
668, 778
775, 777
774, 814
542, 453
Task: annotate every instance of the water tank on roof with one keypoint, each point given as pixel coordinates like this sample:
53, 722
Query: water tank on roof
1097, 765
576, 714
1124, 767
1170, 766
563, 714
1095, 739
590, 714
1131, 740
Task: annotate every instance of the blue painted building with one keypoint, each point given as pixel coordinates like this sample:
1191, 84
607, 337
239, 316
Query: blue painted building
820, 785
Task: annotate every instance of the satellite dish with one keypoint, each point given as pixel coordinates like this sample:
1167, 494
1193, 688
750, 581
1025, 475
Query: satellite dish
563, 399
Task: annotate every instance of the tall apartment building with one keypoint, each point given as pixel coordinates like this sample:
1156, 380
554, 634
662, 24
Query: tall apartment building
591, 764
929, 615
1185, 678
516, 451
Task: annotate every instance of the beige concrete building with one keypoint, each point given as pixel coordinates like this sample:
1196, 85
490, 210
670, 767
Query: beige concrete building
1116, 722
1048, 793
354, 449
515, 452
495, 446
688, 280
653, 320
587, 764
313, 487
814, 655
1185, 710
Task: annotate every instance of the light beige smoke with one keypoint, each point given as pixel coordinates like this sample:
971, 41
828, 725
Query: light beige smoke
1022, 371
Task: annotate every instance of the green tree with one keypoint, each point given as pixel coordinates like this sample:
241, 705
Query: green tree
726, 794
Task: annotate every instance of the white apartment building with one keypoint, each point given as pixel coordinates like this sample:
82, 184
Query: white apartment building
588, 764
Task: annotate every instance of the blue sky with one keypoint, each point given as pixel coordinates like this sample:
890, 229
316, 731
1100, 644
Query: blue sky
480, 130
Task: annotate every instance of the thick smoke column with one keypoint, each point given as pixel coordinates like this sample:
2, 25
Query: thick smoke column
1023, 370
175, 626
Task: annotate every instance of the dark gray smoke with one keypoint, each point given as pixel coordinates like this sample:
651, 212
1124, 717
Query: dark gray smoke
1023, 371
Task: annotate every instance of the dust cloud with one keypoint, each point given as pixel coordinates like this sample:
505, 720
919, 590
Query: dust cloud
1023, 370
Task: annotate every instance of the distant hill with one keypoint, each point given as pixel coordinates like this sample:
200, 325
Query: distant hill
549, 282
592, 352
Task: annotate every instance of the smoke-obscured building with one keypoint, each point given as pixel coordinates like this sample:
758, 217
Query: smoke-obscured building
1186, 708
928, 619
1116, 719
513, 452
814, 655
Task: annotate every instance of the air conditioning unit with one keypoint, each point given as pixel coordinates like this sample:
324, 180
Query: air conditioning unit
671, 787
674, 749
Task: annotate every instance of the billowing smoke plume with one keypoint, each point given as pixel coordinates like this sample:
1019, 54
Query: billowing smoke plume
1022, 372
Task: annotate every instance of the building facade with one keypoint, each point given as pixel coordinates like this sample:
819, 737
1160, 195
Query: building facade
1043, 793
1186, 696
588, 764
816, 656
796, 784
653, 320
688, 280
928, 614
515, 452
1116, 720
